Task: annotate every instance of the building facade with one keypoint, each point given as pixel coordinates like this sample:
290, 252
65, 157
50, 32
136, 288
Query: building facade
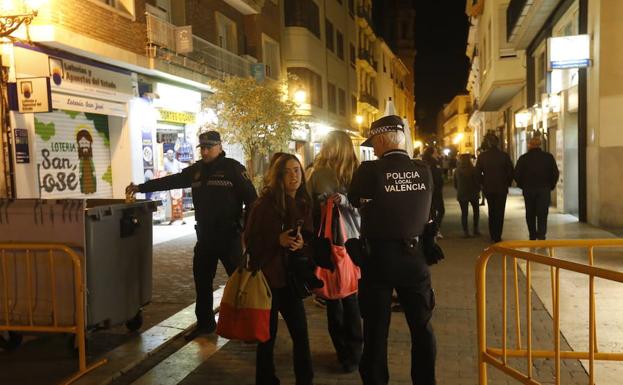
318, 47
455, 130
568, 55
127, 81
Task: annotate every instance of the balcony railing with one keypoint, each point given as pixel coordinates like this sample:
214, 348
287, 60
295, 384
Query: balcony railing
206, 58
369, 99
365, 55
365, 14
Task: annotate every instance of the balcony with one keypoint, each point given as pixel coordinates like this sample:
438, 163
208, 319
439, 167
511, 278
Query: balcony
247, 7
368, 58
205, 58
365, 13
524, 19
369, 99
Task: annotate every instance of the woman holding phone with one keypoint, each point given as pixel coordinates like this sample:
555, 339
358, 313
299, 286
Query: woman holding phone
279, 224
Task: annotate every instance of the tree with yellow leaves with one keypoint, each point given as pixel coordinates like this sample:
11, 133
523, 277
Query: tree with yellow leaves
258, 116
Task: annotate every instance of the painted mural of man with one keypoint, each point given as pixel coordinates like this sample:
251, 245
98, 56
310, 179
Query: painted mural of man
88, 181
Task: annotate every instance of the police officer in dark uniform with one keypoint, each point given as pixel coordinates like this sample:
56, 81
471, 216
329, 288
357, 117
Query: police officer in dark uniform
220, 186
394, 196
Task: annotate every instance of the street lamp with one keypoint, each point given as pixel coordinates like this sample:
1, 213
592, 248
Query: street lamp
300, 96
13, 15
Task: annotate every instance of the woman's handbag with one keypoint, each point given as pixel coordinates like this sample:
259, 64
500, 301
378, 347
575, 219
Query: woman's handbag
343, 280
245, 307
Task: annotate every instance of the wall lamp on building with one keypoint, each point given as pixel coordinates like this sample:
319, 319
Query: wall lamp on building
300, 97
523, 118
359, 121
418, 144
15, 13
458, 138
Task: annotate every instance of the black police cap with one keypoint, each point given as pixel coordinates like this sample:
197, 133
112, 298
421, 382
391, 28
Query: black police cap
209, 139
385, 124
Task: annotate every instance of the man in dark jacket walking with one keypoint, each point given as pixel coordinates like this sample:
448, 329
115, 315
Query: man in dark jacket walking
220, 186
536, 174
495, 171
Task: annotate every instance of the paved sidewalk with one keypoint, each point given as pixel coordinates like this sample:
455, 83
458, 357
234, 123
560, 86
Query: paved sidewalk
44, 360
454, 322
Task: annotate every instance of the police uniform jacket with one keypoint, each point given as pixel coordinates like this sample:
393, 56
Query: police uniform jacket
394, 196
219, 188
536, 169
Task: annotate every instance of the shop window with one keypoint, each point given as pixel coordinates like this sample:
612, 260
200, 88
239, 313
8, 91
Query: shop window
341, 102
303, 13
340, 44
329, 35
309, 81
331, 98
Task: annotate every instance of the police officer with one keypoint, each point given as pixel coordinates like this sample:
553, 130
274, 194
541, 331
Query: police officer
220, 186
394, 196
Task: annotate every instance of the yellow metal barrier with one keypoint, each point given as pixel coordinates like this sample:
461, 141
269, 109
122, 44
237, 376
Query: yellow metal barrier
54, 252
498, 357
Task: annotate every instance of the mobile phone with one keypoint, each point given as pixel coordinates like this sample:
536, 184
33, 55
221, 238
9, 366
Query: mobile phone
297, 229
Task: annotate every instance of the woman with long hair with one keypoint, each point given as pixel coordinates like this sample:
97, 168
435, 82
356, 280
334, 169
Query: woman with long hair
330, 178
278, 224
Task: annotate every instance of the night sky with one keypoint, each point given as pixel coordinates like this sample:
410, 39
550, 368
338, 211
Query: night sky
441, 67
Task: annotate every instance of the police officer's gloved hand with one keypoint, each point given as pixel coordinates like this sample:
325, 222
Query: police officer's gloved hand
430, 248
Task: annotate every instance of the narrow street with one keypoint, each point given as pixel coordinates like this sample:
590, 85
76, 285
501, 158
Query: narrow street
217, 361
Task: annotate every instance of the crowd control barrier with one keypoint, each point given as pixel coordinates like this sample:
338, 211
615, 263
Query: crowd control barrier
498, 357
28, 270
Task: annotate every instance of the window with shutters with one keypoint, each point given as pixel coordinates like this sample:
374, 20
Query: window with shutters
340, 45
341, 102
328, 28
331, 98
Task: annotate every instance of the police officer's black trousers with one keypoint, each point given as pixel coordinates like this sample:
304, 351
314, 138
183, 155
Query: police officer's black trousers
418, 307
207, 253
291, 308
537, 206
344, 321
496, 204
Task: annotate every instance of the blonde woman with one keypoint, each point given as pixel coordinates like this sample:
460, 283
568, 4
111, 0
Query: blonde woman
330, 178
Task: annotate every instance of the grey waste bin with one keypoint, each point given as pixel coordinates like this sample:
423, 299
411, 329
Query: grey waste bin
114, 240
118, 239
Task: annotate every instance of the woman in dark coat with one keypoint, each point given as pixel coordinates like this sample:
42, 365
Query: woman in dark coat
280, 223
467, 191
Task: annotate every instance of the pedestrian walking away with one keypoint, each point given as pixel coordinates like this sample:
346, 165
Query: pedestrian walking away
495, 172
330, 178
220, 187
394, 195
437, 209
467, 192
280, 224
536, 174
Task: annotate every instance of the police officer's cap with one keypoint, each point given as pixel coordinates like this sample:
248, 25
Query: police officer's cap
209, 139
388, 123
